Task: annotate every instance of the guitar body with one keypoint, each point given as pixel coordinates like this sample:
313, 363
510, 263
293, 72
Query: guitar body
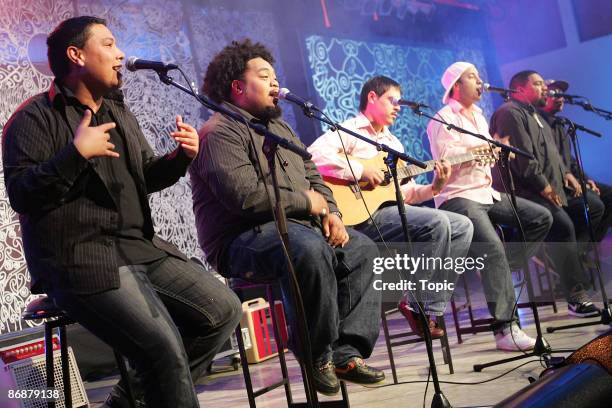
351, 200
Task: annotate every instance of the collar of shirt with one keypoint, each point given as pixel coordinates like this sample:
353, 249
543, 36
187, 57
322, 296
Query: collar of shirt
362, 122
457, 107
62, 96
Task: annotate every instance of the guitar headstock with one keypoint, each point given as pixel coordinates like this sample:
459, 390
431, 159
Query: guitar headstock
484, 156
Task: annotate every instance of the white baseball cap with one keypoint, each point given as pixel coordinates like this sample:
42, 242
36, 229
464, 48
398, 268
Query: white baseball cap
452, 75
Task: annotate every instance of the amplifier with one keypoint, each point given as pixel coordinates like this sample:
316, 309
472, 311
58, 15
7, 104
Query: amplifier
256, 320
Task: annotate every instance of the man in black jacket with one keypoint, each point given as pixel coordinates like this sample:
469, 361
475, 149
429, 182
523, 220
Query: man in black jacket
542, 179
78, 170
237, 232
599, 195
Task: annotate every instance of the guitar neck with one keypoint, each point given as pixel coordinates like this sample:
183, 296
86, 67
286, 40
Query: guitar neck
412, 170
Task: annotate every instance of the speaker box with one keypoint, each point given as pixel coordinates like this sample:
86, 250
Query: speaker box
30, 374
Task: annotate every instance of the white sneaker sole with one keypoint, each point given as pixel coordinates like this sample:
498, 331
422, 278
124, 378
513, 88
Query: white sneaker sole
571, 312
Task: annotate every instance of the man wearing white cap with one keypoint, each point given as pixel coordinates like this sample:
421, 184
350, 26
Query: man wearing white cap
470, 192
439, 234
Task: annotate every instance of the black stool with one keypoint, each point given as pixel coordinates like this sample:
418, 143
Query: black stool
44, 308
239, 286
392, 340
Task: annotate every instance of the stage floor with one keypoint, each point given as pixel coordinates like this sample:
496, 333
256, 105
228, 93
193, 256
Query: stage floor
225, 387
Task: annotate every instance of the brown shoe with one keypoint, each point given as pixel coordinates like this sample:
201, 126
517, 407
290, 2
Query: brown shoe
414, 321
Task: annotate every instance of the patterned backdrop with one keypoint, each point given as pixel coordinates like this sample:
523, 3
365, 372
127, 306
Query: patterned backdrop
170, 31
339, 68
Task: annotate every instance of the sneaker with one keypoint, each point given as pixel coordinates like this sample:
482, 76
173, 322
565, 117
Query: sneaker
357, 371
514, 339
582, 309
414, 321
325, 380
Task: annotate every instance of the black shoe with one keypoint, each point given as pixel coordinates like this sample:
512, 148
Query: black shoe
582, 309
357, 371
118, 398
325, 378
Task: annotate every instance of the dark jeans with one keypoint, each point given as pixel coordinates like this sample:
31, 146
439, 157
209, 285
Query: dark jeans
434, 233
342, 308
600, 207
563, 247
496, 277
168, 318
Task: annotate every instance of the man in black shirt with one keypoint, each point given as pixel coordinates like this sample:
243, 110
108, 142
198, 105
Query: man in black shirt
78, 170
542, 180
236, 230
599, 195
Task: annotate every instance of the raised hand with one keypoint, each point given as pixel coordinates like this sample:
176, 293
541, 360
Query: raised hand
94, 141
187, 137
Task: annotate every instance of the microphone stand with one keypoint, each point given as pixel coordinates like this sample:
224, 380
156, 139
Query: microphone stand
541, 347
605, 319
586, 105
270, 147
439, 400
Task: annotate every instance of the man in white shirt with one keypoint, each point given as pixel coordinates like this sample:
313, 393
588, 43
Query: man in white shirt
438, 233
470, 192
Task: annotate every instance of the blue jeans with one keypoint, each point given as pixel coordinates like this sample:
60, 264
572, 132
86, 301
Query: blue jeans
168, 318
440, 234
342, 308
496, 278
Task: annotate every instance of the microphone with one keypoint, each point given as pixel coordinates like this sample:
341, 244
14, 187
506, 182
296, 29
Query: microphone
134, 64
410, 104
285, 93
558, 94
487, 87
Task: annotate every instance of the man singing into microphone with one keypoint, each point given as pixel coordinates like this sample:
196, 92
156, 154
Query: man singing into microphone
78, 170
237, 231
599, 195
542, 180
470, 192
437, 234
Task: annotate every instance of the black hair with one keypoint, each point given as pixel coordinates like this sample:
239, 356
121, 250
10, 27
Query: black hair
379, 84
71, 32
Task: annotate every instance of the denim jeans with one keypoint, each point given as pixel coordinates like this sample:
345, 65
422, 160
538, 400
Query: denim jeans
496, 277
562, 246
441, 235
342, 308
168, 318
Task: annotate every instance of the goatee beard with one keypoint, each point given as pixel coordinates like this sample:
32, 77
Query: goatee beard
269, 113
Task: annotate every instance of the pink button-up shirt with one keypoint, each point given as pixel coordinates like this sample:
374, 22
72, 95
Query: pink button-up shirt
467, 180
327, 155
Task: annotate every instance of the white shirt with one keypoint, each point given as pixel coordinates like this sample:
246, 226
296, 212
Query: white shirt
325, 154
468, 180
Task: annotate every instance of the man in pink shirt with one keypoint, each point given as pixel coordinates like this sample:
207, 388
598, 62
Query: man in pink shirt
437, 234
469, 192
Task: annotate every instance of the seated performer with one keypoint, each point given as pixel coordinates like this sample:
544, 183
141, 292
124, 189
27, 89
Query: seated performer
542, 180
78, 169
599, 195
442, 234
237, 231
470, 192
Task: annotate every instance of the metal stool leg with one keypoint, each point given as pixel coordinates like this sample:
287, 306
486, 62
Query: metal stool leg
126, 377
65, 365
385, 326
49, 368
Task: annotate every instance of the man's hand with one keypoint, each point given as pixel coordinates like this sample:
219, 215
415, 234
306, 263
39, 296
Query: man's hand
550, 194
318, 204
442, 172
571, 182
372, 176
591, 184
94, 141
187, 137
334, 231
